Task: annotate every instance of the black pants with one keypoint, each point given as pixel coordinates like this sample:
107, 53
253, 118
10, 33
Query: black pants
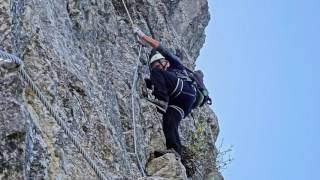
180, 95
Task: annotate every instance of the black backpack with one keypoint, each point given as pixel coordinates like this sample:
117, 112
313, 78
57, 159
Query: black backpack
202, 94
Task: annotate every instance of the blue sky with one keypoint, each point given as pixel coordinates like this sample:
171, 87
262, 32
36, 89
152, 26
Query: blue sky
261, 61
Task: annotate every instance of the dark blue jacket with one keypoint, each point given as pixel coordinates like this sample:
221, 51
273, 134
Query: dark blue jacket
175, 62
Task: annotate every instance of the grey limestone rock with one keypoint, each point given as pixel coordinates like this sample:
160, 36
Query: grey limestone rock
82, 54
167, 167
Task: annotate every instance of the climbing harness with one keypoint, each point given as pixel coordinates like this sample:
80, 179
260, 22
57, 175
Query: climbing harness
179, 110
13, 59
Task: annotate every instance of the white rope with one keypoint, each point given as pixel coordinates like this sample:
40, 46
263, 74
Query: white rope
125, 6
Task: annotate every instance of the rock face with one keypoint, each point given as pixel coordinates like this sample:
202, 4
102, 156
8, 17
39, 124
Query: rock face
166, 166
82, 55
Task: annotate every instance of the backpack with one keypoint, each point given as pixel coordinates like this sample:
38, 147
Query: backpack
202, 94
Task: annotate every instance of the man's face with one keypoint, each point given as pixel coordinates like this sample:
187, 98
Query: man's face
161, 64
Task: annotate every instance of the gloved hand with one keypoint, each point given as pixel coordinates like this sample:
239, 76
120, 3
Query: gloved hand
148, 83
138, 32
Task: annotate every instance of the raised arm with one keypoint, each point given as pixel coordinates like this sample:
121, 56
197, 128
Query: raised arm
174, 60
152, 42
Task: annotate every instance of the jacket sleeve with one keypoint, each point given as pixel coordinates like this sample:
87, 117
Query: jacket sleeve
173, 59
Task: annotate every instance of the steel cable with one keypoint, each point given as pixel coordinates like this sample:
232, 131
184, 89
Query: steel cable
132, 97
8, 57
135, 78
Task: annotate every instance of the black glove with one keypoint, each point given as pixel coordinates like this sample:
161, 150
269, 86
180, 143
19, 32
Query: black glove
148, 83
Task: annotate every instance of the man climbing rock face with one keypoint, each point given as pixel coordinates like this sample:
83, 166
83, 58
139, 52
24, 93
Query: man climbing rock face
172, 88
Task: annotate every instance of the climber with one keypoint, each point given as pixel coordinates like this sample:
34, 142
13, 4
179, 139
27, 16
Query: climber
174, 92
